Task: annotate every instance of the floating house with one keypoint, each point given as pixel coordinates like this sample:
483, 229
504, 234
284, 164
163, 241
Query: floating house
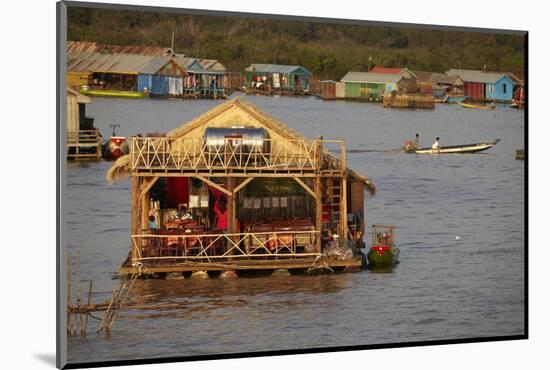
371, 86
206, 77
439, 84
117, 72
162, 76
236, 189
332, 90
276, 78
494, 86
83, 139
137, 71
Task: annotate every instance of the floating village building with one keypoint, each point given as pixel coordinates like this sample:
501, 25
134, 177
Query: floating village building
442, 86
83, 139
371, 85
236, 189
278, 79
112, 70
480, 85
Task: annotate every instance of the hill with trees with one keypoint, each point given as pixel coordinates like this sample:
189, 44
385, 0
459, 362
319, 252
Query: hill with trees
329, 50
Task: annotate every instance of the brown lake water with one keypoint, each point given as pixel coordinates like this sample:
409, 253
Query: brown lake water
444, 288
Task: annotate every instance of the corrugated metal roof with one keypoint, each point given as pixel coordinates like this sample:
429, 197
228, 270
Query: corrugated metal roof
114, 63
441, 78
191, 64
377, 69
274, 68
369, 77
468, 75
195, 65
96, 47
155, 64
422, 76
212, 65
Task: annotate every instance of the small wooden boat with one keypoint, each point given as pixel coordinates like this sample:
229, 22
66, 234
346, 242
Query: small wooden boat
466, 148
383, 252
116, 146
476, 106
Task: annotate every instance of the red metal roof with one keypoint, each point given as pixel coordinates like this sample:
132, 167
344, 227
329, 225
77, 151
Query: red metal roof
392, 71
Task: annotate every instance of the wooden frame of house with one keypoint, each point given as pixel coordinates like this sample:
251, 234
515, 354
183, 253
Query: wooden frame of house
83, 140
326, 191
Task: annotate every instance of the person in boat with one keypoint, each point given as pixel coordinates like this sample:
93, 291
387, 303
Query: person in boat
153, 223
436, 146
417, 141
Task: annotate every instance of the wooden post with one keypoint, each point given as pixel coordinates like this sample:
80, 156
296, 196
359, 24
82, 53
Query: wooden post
89, 303
343, 156
231, 207
78, 294
135, 219
145, 207
344, 209
318, 212
319, 152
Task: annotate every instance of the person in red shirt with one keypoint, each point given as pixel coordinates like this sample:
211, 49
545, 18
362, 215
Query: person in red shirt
220, 209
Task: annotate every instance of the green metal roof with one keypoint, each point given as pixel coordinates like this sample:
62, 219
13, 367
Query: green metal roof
276, 68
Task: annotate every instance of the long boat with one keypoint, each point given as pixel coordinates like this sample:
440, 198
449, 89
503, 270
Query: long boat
114, 94
465, 148
476, 106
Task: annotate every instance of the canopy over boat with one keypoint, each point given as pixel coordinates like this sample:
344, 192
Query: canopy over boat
466, 148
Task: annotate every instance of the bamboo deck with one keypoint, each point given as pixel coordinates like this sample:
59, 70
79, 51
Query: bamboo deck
296, 263
84, 145
424, 101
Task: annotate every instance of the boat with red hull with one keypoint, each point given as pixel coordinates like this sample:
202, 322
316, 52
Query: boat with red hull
116, 146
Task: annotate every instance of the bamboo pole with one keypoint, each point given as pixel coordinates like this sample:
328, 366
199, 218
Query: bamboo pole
88, 305
78, 300
232, 206
134, 217
318, 213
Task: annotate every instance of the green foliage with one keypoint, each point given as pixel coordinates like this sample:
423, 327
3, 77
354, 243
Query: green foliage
326, 49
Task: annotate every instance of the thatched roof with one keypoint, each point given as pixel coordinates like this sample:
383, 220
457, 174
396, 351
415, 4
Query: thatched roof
121, 167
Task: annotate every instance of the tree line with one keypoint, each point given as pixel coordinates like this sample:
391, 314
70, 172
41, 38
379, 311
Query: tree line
328, 50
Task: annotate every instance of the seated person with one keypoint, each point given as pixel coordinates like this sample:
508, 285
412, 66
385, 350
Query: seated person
153, 223
182, 213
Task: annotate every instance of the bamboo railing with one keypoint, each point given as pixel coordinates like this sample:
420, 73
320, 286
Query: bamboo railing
232, 154
151, 249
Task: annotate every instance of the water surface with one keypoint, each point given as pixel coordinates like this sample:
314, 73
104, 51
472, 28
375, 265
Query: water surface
460, 222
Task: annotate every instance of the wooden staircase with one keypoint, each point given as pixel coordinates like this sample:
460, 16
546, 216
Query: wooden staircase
334, 191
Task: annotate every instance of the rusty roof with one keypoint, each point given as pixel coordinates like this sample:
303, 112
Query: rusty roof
112, 63
96, 47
